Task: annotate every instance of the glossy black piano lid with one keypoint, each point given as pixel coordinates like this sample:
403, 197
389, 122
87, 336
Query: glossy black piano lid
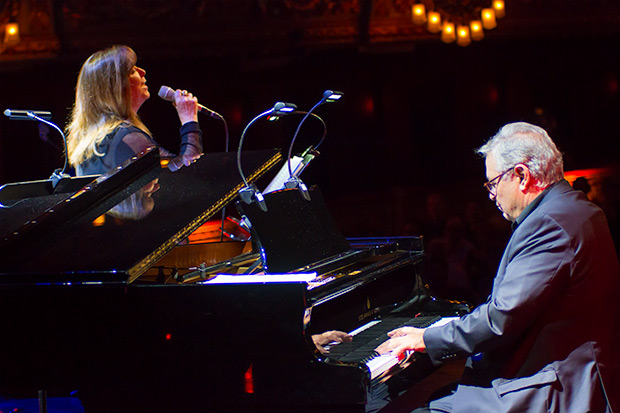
121, 249
29, 221
12, 192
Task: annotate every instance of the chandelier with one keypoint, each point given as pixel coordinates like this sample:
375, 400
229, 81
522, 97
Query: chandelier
460, 20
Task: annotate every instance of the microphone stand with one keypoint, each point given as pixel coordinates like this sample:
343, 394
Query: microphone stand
58, 174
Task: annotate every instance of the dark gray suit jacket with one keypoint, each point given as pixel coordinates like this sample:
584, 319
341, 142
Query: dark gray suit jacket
545, 340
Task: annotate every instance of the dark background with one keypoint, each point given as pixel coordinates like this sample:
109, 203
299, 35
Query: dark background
414, 110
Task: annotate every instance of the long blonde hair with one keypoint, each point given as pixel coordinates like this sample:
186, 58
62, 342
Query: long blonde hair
102, 101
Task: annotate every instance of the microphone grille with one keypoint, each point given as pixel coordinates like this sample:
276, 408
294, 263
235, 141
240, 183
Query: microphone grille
166, 93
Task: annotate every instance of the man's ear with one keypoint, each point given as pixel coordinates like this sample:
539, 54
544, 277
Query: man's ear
524, 175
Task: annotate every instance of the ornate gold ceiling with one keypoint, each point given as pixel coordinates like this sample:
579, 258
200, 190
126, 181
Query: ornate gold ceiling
204, 27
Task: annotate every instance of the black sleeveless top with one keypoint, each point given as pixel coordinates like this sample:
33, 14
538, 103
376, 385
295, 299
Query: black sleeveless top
115, 150
127, 140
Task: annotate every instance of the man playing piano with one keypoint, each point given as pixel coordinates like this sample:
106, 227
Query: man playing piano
545, 339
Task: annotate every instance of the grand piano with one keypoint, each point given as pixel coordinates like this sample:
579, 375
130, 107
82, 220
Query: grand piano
128, 316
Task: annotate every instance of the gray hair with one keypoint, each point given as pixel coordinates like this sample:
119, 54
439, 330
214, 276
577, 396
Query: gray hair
521, 142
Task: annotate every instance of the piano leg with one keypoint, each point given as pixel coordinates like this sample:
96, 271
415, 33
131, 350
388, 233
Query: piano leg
42, 401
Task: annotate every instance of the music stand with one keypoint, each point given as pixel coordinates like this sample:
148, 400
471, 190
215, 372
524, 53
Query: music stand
293, 232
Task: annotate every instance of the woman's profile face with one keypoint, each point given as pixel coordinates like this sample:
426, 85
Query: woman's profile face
139, 89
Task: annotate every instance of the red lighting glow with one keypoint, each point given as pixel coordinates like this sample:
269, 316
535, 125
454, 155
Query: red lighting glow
571, 176
236, 115
368, 105
249, 380
493, 95
168, 336
612, 85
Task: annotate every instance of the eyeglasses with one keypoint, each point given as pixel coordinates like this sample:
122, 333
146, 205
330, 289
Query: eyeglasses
491, 185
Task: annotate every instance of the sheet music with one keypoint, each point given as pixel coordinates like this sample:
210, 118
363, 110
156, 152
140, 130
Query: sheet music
261, 278
278, 181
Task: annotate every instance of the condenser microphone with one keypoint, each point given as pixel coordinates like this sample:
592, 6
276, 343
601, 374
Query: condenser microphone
167, 93
15, 114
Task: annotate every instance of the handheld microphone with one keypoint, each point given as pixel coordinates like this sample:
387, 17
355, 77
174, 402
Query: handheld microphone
167, 93
15, 114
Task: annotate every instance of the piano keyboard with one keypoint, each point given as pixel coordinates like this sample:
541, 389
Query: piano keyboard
369, 336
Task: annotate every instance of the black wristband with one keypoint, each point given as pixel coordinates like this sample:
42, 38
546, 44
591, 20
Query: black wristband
190, 127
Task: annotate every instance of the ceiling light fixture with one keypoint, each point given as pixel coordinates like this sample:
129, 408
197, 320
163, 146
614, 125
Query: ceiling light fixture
460, 20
